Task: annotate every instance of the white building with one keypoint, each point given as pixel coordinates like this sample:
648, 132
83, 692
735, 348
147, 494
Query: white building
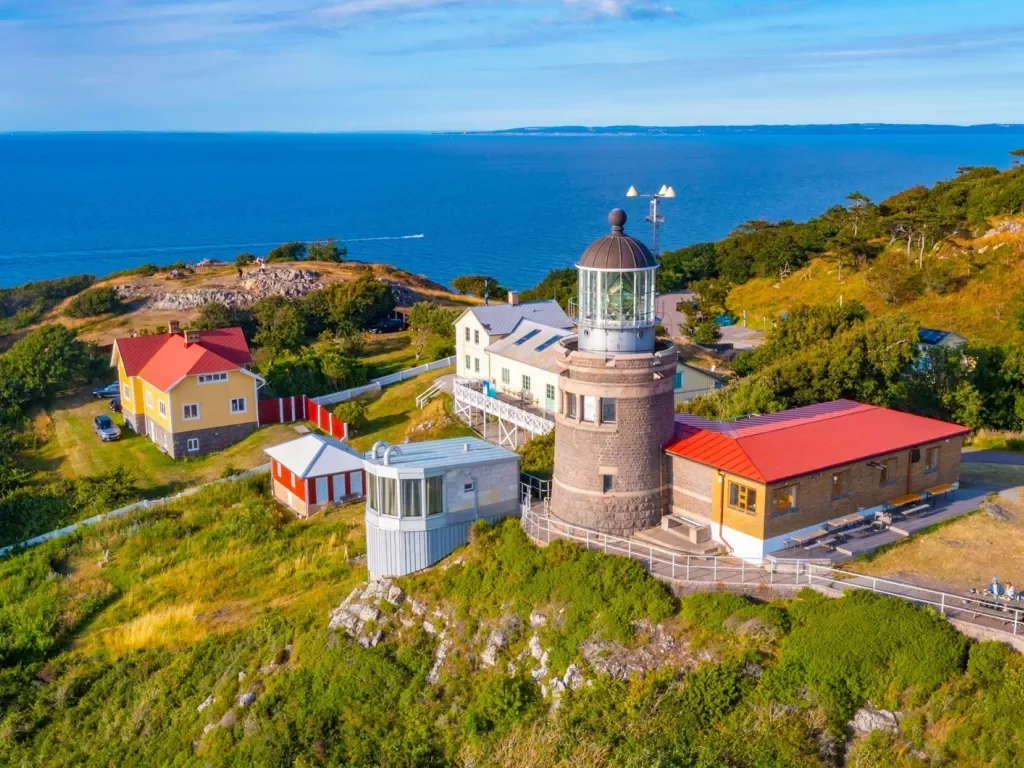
423, 498
523, 363
480, 326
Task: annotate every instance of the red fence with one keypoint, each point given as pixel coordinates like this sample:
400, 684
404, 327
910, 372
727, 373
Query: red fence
284, 410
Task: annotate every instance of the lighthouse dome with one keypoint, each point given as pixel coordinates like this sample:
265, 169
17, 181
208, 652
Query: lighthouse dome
617, 250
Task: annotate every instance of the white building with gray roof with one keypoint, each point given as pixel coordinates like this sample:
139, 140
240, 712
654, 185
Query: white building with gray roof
423, 498
524, 363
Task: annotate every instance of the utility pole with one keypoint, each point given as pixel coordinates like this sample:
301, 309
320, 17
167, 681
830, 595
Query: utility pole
654, 217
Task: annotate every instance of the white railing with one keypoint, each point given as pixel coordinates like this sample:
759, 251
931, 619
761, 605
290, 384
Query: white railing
467, 397
727, 571
428, 394
383, 381
145, 504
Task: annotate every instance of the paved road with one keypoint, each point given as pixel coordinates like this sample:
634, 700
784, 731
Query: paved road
993, 457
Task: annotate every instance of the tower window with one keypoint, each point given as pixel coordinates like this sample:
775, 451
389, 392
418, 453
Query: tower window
570, 405
589, 407
607, 483
607, 410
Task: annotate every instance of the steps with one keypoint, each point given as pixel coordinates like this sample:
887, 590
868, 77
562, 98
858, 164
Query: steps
681, 534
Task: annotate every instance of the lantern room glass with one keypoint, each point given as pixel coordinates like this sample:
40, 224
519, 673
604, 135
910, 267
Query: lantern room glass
616, 299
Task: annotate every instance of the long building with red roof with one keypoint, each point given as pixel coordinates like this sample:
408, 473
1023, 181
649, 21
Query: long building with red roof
761, 483
190, 392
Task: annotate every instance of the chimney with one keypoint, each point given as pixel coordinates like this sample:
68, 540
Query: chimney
191, 337
513, 298
174, 326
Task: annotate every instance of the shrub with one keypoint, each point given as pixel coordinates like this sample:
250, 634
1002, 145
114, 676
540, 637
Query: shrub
93, 302
292, 251
327, 250
986, 662
895, 278
353, 413
244, 259
538, 455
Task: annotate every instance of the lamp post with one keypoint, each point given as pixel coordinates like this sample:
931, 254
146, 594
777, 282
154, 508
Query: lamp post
654, 217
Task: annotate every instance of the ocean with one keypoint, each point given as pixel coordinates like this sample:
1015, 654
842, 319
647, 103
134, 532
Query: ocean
442, 205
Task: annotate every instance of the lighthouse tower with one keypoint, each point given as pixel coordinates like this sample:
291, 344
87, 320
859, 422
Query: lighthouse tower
616, 410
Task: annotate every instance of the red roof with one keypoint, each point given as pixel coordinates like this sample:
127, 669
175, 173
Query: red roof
804, 440
166, 359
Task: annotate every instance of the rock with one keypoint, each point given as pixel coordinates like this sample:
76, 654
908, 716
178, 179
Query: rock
404, 296
495, 643
377, 589
418, 608
429, 628
557, 686
537, 619
246, 699
573, 678
229, 719
193, 298
406, 622
395, 595
441, 652
342, 619
208, 727
206, 702
241, 676
369, 641
1012, 227
995, 511
868, 719
535, 648
368, 613
355, 594
281, 281
435, 673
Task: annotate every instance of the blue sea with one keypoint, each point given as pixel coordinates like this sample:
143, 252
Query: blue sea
442, 205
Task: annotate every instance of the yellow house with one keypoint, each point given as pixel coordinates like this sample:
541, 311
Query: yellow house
190, 392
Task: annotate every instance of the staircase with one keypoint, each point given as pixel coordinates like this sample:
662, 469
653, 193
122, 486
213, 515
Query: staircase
682, 534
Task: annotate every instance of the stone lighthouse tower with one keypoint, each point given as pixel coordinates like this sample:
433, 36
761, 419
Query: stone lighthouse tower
617, 405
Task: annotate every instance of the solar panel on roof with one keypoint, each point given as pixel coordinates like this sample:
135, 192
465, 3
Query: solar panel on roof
527, 337
548, 343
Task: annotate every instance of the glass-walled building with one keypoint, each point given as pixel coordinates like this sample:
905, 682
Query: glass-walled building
422, 499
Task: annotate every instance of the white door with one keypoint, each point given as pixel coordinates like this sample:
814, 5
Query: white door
357, 483
321, 490
339, 487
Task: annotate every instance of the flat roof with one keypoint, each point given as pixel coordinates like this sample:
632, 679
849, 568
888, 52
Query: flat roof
446, 454
800, 441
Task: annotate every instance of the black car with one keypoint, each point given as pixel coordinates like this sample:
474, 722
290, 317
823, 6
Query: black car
115, 405
111, 390
391, 325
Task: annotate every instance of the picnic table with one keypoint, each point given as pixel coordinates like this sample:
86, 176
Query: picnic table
845, 521
902, 501
801, 539
939, 490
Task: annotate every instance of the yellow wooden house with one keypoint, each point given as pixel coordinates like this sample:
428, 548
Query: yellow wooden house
189, 392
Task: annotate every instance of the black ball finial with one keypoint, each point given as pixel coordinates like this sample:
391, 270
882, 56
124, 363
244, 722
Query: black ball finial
617, 218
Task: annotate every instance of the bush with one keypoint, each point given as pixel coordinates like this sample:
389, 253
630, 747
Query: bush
986, 662
353, 413
244, 259
895, 278
538, 455
479, 285
293, 251
93, 302
327, 250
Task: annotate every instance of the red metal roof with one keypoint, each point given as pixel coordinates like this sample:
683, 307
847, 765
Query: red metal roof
166, 359
804, 440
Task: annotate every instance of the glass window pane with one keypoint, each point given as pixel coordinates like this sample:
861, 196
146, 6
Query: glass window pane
412, 500
608, 410
628, 293
435, 495
371, 486
389, 496
589, 407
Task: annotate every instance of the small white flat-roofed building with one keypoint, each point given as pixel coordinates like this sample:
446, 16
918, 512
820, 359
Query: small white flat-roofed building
423, 498
524, 363
314, 470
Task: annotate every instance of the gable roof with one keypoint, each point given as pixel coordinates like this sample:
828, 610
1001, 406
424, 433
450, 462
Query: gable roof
801, 441
314, 455
166, 359
501, 319
531, 343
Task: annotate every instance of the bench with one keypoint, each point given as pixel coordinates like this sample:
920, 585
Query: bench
914, 510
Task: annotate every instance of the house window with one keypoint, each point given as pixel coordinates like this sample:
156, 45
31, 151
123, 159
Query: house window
887, 472
931, 460
280, 472
526, 383
476, 365
388, 496
476, 337
163, 407
589, 407
840, 484
435, 495
570, 405
210, 378
506, 376
467, 333
607, 483
149, 399
238, 405
607, 410
127, 392
743, 498
469, 363
784, 500
468, 487
193, 444
412, 498
190, 411
371, 488
549, 392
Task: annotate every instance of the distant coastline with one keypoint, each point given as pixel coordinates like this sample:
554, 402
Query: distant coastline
784, 130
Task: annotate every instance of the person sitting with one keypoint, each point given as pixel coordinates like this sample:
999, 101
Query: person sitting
1011, 592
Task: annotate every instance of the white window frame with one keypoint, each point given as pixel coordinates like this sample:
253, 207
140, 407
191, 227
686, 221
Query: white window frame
185, 409
192, 445
469, 366
212, 378
476, 365
476, 336
467, 333
527, 383
506, 376
162, 408
244, 408
149, 399
126, 393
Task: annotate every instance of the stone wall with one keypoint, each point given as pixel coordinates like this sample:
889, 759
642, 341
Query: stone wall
692, 487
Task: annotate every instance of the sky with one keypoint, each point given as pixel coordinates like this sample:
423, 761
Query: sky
411, 65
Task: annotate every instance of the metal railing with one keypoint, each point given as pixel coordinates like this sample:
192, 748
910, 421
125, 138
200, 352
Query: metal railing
725, 571
383, 381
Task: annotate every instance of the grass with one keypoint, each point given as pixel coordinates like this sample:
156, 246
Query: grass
981, 310
996, 475
997, 440
389, 353
72, 449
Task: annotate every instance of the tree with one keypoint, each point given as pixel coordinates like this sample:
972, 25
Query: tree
558, 284
212, 316
327, 250
281, 327
342, 371
700, 326
292, 251
895, 279
358, 305
1017, 155
93, 302
480, 285
244, 259
46, 361
677, 269
858, 207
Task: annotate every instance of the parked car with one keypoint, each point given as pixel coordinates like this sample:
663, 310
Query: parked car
115, 405
111, 390
105, 427
391, 325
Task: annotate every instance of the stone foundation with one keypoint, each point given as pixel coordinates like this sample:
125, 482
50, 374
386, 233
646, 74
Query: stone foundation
211, 440
136, 422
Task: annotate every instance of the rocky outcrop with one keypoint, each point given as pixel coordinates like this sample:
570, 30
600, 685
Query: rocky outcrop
404, 295
291, 283
193, 298
868, 719
1011, 227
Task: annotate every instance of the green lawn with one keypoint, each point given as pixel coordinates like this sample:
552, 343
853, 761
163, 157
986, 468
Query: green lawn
389, 353
72, 449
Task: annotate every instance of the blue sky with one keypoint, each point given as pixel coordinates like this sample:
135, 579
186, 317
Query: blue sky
344, 65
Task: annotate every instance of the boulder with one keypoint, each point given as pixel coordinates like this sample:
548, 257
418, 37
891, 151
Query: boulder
537, 619
206, 703
229, 719
368, 613
369, 641
573, 678
377, 589
996, 511
535, 648
429, 628
247, 698
868, 719
208, 727
395, 595
495, 643
418, 608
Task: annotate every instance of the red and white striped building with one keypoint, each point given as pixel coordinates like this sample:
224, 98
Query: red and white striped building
314, 470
